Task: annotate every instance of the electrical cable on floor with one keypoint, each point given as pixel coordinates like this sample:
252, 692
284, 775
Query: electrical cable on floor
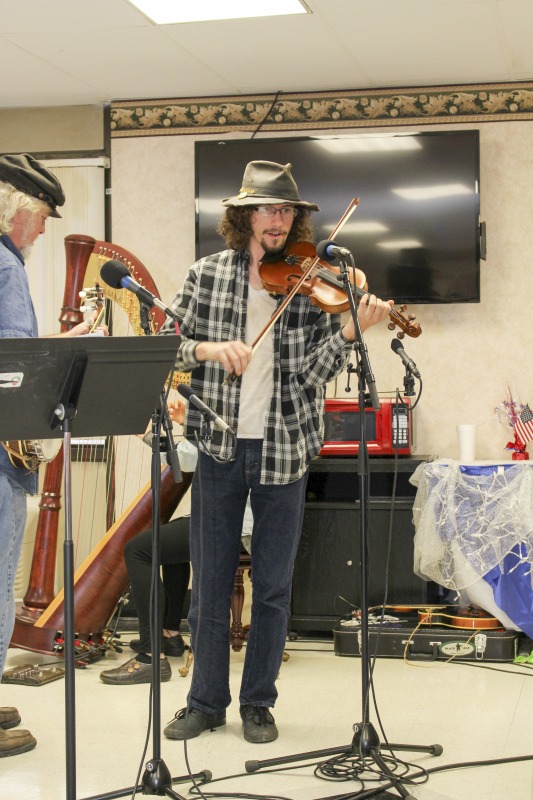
430, 771
490, 668
359, 795
245, 796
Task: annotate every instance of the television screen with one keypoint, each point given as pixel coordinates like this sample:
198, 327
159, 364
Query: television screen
415, 232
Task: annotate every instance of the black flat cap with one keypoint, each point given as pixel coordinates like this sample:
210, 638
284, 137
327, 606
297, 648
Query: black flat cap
28, 175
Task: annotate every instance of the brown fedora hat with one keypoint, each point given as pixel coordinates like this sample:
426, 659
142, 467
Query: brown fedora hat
265, 182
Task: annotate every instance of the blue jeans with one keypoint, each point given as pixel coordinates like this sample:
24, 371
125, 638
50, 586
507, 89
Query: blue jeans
219, 495
12, 525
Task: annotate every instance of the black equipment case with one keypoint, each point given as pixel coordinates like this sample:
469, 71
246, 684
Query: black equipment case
416, 642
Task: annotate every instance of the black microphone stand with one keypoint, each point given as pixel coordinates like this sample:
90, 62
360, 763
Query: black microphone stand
408, 383
365, 746
156, 779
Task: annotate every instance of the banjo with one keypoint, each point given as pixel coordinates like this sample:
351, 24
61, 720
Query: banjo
31, 453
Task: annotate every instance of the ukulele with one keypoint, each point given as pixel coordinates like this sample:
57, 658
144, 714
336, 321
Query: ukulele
454, 617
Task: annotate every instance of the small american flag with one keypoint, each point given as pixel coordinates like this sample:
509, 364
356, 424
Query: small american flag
524, 425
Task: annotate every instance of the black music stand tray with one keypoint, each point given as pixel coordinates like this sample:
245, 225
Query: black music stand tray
82, 386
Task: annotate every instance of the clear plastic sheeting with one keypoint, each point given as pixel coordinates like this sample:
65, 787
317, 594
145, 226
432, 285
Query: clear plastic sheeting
468, 520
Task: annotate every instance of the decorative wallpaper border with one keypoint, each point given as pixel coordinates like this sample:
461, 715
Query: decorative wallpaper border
341, 109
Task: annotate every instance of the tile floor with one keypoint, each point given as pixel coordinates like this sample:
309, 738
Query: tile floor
477, 713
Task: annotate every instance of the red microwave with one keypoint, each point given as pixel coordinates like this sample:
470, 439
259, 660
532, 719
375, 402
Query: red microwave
387, 431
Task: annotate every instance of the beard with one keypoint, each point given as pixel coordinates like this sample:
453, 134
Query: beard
26, 250
274, 250
27, 235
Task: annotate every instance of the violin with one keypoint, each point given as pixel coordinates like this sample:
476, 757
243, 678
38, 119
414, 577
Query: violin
299, 270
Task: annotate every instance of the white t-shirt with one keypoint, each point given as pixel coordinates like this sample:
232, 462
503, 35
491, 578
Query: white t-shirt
257, 381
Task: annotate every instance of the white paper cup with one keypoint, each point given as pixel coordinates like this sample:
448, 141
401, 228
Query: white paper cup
466, 438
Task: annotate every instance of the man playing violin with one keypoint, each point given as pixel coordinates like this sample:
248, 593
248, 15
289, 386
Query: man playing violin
29, 194
275, 405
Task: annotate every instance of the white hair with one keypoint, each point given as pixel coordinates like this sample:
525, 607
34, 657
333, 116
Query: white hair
11, 201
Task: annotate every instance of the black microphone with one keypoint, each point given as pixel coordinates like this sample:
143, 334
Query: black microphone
397, 346
189, 395
329, 251
116, 275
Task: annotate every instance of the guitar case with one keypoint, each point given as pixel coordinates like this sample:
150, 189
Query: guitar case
414, 641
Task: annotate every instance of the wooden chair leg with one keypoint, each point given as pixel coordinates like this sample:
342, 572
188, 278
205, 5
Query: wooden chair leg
184, 671
237, 634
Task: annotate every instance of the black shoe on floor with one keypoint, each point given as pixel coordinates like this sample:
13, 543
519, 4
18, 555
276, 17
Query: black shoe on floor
173, 646
258, 724
188, 726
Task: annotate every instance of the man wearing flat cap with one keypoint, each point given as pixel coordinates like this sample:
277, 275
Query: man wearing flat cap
29, 194
275, 406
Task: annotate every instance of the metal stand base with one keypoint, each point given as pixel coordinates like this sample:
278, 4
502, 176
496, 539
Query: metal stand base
156, 781
365, 746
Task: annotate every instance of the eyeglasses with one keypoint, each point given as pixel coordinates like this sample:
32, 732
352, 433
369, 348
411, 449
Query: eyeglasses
286, 212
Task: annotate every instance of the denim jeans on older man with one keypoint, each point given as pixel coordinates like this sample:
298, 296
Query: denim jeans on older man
12, 524
219, 494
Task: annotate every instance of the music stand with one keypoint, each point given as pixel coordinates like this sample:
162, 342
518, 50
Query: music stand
83, 386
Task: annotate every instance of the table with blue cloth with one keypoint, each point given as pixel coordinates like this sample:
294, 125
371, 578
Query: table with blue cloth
474, 535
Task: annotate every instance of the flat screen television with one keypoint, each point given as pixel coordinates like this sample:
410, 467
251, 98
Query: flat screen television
415, 233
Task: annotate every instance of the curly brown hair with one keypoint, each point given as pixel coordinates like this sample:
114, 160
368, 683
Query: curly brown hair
236, 228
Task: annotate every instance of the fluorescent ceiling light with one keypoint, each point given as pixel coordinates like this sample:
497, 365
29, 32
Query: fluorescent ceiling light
432, 192
369, 144
209, 206
168, 12
400, 244
363, 227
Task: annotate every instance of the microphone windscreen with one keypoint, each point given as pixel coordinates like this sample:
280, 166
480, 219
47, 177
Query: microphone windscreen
322, 250
185, 390
396, 345
112, 273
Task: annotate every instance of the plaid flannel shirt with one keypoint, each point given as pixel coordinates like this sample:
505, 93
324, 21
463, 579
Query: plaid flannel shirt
309, 351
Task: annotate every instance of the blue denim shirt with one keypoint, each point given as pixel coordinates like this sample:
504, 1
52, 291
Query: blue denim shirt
17, 319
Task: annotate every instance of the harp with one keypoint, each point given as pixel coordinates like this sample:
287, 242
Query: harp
101, 579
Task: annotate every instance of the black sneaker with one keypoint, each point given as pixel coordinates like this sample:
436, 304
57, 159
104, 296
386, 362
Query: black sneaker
172, 646
258, 724
188, 726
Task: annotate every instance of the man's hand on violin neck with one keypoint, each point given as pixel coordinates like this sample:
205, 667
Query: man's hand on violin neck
234, 356
370, 311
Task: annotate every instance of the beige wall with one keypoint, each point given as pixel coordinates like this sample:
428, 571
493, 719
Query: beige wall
468, 354
52, 130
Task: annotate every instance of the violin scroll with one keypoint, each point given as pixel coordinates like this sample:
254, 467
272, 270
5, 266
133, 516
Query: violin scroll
407, 324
